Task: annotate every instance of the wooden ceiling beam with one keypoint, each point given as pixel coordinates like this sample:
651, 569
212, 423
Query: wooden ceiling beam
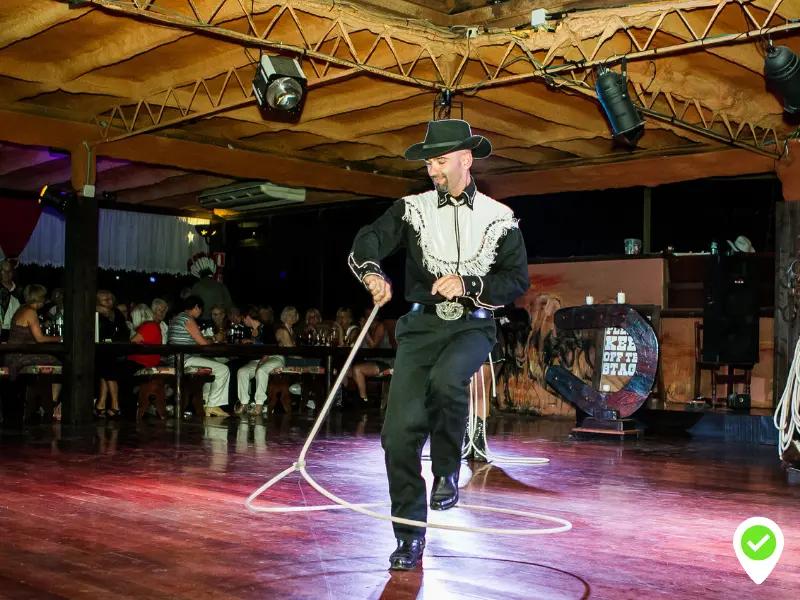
649, 172
21, 128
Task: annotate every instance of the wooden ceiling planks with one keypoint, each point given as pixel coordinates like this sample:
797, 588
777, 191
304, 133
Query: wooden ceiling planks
364, 107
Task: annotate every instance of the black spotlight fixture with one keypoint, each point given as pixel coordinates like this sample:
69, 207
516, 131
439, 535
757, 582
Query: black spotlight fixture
612, 91
56, 198
782, 68
279, 87
207, 231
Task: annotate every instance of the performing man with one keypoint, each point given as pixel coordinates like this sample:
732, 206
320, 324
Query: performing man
465, 258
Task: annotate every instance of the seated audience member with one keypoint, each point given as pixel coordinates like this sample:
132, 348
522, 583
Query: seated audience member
219, 324
312, 320
347, 331
126, 312
160, 308
57, 304
113, 328
235, 316
147, 332
9, 302
377, 337
262, 332
25, 329
266, 315
260, 369
183, 329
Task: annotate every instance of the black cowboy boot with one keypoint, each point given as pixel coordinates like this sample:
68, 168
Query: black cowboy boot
466, 447
479, 442
445, 492
407, 555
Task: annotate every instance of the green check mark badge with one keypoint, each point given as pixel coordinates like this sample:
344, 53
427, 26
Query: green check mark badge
758, 543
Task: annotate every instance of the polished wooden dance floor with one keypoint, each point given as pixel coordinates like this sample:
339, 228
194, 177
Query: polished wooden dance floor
151, 511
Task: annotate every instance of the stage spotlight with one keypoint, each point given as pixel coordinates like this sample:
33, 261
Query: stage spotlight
782, 68
55, 198
612, 91
279, 86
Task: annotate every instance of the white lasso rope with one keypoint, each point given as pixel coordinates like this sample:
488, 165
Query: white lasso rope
470, 446
787, 413
300, 466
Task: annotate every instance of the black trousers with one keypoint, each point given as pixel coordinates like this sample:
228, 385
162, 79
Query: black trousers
429, 396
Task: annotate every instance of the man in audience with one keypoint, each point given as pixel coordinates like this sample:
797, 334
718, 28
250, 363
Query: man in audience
208, 289
9, 302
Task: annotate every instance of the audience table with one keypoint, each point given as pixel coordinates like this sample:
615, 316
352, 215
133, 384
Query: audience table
254, 351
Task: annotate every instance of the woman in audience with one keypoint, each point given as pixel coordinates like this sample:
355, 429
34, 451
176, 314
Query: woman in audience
113, 328
147, 331
160, 308
25, 329
377, 337
347, 331
184, 330
311, 323
260, 369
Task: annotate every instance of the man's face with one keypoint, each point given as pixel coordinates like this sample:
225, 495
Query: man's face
105, 300
160, 312
218, 316
446, 171
6, 273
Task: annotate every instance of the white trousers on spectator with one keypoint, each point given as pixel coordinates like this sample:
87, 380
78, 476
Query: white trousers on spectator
216, 392
261, 373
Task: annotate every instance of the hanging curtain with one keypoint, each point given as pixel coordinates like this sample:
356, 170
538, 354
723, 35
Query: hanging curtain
18, 219
128, 241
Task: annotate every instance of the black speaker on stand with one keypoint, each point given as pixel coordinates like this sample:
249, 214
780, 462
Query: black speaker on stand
730, 318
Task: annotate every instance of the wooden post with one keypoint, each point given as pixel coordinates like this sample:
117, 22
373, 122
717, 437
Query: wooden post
647, 219
80, 282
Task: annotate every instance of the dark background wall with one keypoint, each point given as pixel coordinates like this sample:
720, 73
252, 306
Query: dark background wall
299, 258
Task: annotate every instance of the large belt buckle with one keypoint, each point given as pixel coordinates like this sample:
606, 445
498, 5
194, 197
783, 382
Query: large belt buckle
449, 311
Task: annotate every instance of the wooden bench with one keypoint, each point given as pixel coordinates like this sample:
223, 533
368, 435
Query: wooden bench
31, 391
193, 380
280, 382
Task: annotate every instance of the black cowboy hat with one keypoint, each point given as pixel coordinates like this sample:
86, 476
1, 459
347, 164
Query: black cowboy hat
449, 135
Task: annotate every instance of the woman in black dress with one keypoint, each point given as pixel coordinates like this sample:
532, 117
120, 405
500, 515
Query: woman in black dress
25, 329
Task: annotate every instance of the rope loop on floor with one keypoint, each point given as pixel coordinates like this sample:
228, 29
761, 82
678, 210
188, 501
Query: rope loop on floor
299, 465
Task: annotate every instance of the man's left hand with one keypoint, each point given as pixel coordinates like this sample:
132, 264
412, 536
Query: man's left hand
448, 286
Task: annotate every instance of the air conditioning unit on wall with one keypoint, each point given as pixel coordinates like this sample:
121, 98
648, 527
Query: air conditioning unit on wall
251, 196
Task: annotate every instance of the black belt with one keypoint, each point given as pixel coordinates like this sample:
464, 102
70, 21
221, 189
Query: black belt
478, 313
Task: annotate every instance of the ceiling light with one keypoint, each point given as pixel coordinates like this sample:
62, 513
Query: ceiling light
612, 91
55, 198
279, 86
782, 68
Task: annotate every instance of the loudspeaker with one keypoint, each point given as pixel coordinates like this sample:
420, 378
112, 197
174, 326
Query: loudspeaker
730, 317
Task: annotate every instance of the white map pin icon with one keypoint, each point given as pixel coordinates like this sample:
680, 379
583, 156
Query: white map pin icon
758, 543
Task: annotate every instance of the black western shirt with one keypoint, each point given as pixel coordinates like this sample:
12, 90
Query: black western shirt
472, 236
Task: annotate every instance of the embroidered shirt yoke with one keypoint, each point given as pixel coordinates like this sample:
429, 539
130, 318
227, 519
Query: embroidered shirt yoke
471, 235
